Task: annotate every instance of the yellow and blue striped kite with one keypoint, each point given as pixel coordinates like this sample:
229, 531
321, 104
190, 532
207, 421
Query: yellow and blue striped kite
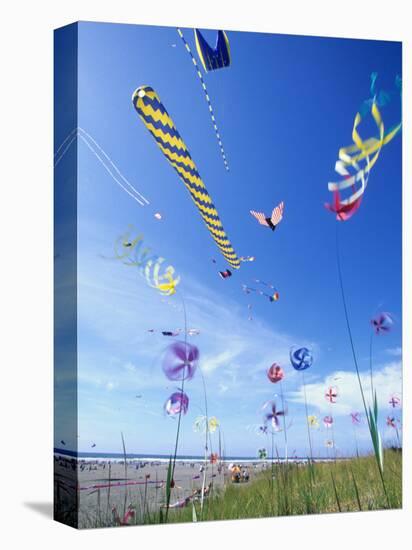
157, 120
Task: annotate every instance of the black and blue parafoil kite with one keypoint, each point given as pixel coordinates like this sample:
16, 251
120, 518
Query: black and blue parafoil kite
213, 58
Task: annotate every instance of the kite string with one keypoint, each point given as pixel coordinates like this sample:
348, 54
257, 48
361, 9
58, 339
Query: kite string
207, 97
109, 171
74, 131
371, 364
307, 416
87, 138
284, 422
356, 439
168, 492
56, 162
113, 164
338, 261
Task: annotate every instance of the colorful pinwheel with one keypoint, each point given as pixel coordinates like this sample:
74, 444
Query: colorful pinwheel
272, 417
328, 421
395, 401
201, 423
391, 422
313, 421
180, 361
262, 453
382, 323
332, 394
213, 458
168, 288
275, 373
356, 418
301, 358
178, 403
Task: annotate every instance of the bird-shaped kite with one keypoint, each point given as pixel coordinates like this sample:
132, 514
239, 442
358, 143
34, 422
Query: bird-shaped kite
275, 218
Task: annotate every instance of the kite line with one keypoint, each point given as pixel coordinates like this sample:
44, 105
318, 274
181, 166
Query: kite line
207, 97
104, 160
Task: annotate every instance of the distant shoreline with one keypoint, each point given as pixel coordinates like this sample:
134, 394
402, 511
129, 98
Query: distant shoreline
90, 456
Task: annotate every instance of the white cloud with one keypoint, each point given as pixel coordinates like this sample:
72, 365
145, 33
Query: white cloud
118, 308
395, 352
386, 381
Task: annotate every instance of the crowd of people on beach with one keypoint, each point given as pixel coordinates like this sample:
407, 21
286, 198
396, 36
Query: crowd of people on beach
239, 473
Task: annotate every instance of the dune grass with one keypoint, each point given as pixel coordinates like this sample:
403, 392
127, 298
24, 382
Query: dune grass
345, 486
295, 489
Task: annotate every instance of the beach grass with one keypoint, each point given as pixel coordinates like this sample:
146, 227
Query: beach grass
349, 485
345, 486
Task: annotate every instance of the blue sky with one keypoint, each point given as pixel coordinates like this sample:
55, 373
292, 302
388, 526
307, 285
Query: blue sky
284, 108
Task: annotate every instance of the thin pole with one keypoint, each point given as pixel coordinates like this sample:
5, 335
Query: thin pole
307, 417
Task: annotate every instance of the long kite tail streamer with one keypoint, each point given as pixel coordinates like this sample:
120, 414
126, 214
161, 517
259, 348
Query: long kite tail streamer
104, 160
207, 97
157, 120
132, 253
367, 151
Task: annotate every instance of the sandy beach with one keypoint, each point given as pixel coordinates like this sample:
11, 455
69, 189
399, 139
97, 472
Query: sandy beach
106, 489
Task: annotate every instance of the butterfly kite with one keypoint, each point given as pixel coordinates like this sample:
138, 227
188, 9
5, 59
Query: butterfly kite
273, 221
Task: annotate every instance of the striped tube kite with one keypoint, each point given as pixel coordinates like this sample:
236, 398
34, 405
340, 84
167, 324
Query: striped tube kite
357, 160
157, 120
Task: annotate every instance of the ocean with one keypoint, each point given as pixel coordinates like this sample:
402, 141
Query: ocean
90, 456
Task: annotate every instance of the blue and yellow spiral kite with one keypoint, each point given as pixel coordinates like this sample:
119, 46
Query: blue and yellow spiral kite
157, 120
